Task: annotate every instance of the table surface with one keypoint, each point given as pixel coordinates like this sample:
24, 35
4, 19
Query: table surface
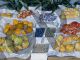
63, 58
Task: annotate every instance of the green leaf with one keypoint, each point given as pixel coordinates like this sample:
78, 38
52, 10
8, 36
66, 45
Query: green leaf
38, 6
24, 4
17, 2
46, 4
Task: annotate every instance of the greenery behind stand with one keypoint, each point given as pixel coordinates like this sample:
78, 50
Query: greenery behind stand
45, 4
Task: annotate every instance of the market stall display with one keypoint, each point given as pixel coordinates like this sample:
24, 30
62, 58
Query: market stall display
19, 29
26, 30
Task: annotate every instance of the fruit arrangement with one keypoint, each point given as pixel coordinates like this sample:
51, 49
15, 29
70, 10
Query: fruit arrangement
16, 43
6, 15
24, 14
13, 43
16, 33
70, 13
72, 28
18, 28
67, 43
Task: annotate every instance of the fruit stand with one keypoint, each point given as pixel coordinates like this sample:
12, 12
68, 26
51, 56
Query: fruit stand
29, 32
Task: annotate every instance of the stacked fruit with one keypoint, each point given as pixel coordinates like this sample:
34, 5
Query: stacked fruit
24, 14
13, 43
72, 28
16, 43
67, 43
16, 39
70, 13
18, 27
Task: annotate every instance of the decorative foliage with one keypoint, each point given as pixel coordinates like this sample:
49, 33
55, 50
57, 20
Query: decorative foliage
46, 4
15, 4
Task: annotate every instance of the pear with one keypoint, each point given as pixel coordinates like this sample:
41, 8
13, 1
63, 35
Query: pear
2, 48
9, 42
13, 37
25, 38
25, 45
18, 47
18, 41
77, 46
10, 49
69, 48
2, 40
62, 48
